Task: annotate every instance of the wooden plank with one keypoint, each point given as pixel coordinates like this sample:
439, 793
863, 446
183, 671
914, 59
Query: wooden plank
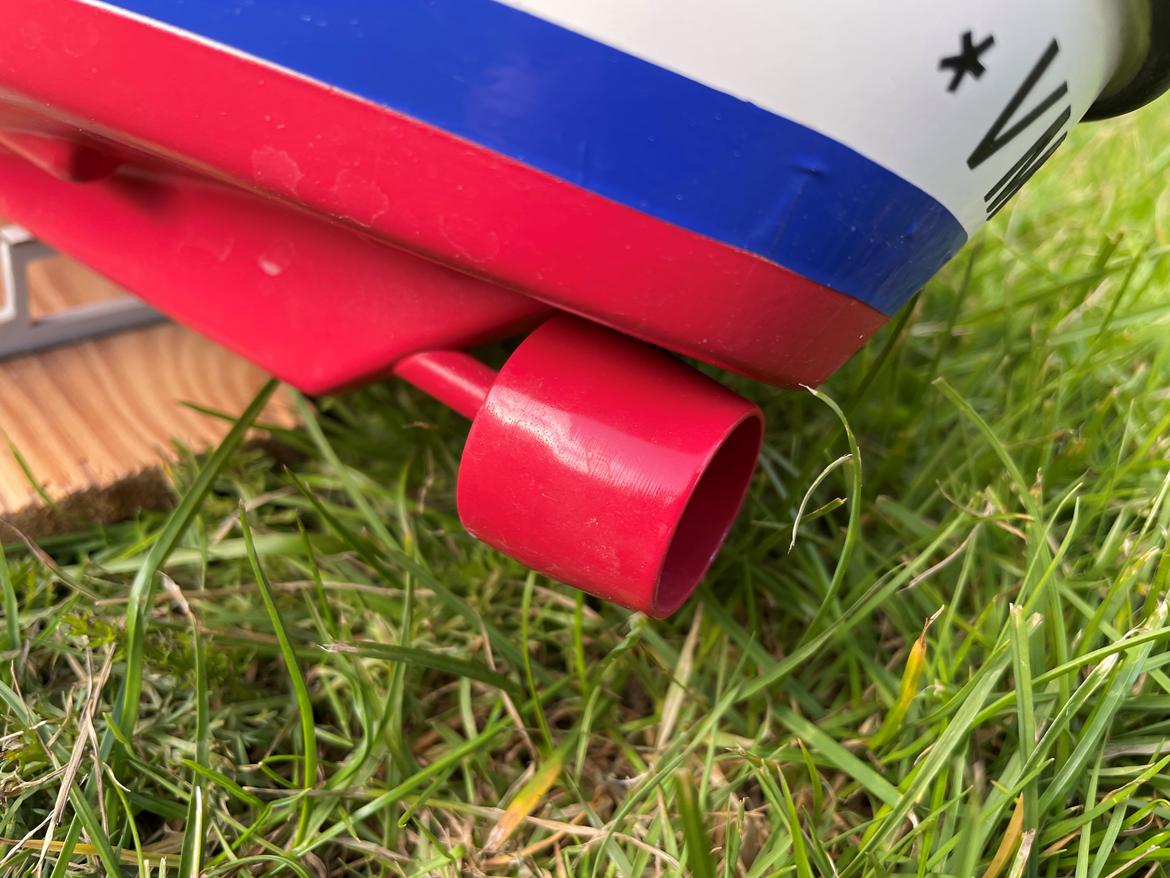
95, 423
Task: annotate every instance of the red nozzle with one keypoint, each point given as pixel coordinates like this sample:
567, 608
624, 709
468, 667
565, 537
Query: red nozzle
598, 460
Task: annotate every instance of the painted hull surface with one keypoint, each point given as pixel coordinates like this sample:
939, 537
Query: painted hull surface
757, 186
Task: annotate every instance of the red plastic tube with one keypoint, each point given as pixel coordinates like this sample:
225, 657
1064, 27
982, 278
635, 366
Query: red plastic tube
597, 460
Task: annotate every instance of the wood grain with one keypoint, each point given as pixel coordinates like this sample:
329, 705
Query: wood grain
96, 422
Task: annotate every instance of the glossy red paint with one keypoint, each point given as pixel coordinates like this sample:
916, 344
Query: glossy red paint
70, 66
456, 379
313, 302
608, 464
598, 460
64, 157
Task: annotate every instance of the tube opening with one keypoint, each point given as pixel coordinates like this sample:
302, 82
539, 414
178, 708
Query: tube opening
708, 515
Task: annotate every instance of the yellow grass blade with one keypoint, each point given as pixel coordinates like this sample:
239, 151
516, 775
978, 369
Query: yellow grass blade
911, 682
1009, 842
526, 801
81, 849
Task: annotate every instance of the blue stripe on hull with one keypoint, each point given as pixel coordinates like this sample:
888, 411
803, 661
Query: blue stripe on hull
602, 119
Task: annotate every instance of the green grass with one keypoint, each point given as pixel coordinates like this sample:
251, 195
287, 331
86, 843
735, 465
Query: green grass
960, 669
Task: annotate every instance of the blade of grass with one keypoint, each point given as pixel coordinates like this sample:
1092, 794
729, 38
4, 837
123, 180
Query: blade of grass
1102, 718
1009, 844
423, 658
11, 605
957, 730
852, 528
296, 678
195, 828
832, 752
908, 689
527, 799
799, 849
86, 817
125, 713
500, 642
698, 841
529, 674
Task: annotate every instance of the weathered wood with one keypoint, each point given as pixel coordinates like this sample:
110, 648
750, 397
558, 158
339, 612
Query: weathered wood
96, 422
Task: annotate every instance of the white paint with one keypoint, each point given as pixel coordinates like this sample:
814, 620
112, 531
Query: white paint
866, 72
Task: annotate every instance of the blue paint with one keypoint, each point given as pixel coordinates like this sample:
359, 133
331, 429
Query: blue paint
612, 123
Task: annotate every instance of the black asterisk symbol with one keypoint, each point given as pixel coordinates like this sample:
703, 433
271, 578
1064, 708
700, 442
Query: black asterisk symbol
968, 61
